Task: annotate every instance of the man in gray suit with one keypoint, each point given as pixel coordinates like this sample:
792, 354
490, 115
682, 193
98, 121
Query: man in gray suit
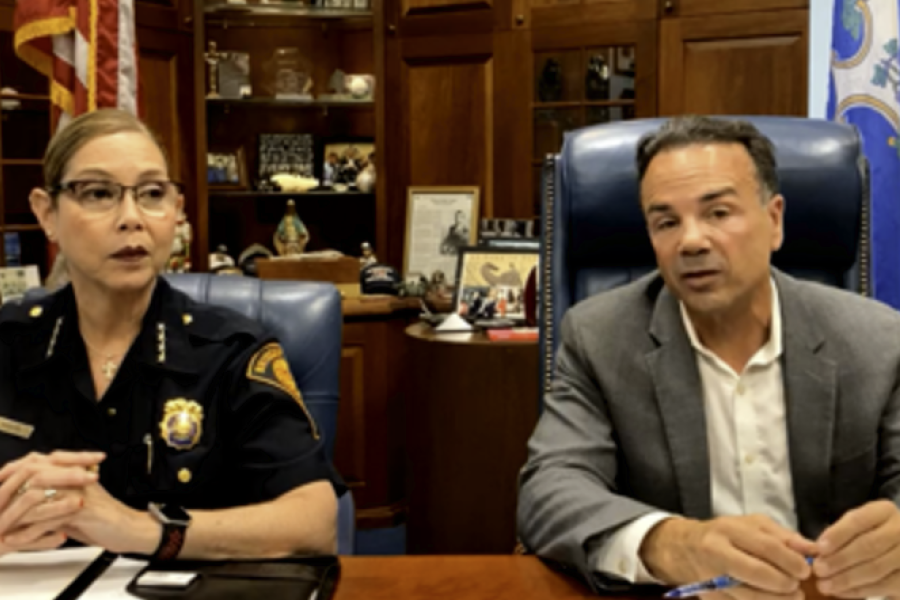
720, 417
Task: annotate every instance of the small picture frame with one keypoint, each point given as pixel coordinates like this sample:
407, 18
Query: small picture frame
490, 283
439, 221
519, 229
624, 61
343, 159
226, 169
292, 153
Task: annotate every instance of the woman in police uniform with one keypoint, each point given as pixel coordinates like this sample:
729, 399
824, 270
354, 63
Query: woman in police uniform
130, 417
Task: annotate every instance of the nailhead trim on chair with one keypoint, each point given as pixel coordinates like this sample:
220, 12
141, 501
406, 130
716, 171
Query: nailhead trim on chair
546, 259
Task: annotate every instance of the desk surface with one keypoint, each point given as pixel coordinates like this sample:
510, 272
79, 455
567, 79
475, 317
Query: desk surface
489, 577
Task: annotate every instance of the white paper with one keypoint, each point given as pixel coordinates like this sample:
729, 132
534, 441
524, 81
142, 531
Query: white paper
112, 583
42, 575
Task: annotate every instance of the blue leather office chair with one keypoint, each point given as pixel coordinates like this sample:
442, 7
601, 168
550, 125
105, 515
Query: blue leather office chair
307, 319
595, 238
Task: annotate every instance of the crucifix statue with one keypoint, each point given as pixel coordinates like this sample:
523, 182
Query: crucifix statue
212, 59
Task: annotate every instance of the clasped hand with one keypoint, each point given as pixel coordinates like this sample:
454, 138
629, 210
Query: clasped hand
42, 497
857, 557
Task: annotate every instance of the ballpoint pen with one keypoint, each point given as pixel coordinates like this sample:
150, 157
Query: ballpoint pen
721, 582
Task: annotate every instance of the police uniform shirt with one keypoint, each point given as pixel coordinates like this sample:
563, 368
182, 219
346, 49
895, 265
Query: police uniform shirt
202, 411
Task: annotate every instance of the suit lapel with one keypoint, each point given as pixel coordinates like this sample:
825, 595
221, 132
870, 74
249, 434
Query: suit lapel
679, 393
810, 390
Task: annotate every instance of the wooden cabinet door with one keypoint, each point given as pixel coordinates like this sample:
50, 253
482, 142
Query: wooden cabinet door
538, 14
167, 95
584, 75
740, 64
694, 8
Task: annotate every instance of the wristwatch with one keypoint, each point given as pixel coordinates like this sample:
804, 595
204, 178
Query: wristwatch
175, 521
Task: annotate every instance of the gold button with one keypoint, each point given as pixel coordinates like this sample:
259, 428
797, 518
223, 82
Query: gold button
36, 311
111, 412
184, 475
188, 319
749, 459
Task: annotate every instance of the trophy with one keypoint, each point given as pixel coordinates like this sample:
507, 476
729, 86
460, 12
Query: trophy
212, 59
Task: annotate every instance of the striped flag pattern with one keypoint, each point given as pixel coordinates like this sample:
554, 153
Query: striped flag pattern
87, 48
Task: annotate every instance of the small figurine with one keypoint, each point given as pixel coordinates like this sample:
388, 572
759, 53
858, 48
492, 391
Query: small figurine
368, 256
180, 255
291, 237
413, 287
596, 80
550, 85
439, 297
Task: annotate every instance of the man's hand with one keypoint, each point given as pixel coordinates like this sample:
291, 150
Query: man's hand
766, 557
859, 556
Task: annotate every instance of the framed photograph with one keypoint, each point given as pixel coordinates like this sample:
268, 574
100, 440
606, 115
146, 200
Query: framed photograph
234, 75
624, 62
344, 159
291, 153
521, 229
226, 170
439, 221
491, 282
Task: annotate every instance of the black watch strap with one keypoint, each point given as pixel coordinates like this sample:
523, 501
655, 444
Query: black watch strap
171, 542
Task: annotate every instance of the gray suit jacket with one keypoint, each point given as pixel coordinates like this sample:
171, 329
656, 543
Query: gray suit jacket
623, 431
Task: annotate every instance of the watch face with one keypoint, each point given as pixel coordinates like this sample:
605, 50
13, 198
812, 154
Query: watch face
168, 513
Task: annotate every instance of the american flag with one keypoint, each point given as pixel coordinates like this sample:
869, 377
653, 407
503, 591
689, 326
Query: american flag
87, 48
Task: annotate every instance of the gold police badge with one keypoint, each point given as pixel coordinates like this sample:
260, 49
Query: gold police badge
182, 423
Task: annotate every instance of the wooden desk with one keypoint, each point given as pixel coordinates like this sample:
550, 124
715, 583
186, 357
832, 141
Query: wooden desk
471, 408
466, 578
453, 578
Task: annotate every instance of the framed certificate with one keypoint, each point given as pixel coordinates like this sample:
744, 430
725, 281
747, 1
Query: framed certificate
439, 222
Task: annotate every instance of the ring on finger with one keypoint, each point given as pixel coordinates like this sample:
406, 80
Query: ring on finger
49, 494
22, 489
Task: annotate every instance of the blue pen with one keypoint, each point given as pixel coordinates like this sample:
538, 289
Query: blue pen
722, 582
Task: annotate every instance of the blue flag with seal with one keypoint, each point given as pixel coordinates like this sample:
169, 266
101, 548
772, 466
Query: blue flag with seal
865, 92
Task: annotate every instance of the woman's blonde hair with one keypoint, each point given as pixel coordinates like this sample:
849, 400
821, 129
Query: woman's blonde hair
67, 142
83, 129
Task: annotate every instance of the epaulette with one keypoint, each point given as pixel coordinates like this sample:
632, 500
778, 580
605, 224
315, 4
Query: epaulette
214, 323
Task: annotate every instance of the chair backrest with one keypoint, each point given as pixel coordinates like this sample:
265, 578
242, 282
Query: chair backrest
595, 238
307, 319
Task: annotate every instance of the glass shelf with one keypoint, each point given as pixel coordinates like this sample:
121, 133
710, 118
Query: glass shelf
272, 102
287, 195
285, 9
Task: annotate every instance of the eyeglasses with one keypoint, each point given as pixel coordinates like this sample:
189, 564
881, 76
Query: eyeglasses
153, 198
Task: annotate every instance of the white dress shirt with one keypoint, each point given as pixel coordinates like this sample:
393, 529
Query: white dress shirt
746, 435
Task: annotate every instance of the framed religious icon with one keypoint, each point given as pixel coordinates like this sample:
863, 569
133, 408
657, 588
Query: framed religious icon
226, 169
439, 221
490, 282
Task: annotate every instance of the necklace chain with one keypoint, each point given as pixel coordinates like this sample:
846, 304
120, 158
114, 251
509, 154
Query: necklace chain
109, 366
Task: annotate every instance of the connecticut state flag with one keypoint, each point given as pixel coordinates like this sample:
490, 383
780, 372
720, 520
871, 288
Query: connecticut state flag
865, 91
87, 48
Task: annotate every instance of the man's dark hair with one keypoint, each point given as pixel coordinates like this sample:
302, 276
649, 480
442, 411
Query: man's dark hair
689, 130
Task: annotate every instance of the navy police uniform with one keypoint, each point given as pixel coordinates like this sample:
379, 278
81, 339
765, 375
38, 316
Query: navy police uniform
202, 412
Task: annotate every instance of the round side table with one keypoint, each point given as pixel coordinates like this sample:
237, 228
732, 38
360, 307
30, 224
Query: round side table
471, 406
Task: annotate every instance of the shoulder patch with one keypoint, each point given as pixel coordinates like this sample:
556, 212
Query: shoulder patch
269, 366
